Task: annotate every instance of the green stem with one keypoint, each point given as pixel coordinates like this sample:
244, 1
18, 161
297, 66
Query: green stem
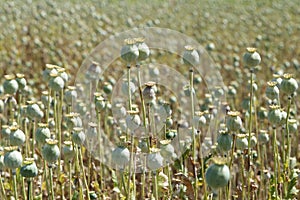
51, 181
83, 171
15, 183
70, 178
275, 161
2, 186
23, 188
29, 191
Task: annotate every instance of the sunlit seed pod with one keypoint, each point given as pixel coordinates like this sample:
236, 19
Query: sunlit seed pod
93, 71
169, 122
218, 92
92, 131
217, 175
241, 142
125, 87
10, 85
263, 137
78, 136
12, 158
33, 110
68, 151
210, 46
130, 51
144, 50
5, 131
190, 56
262, 113
21, 81
293, 163
149, 93
51, 123
51, 151
284, 116
16, 137
29, 169
56, 83
233, 121
166, 149
197, 79
251, 58
154, 72
272, 91
224, 141
63, 74
254, 86
187, 90
292, 125
107, 88
45, 97
133, 120
143, 145
275, 115
70, 95
120, 156
73, 120
172, 99
288, 85
42, 133
81, 108
93, 195
50, 69
171, 134
154, 160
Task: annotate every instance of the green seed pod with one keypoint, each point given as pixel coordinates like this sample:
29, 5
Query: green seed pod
251, 58
10, 85
133, 120
29, 169
92, 132
171, 134
169, 122
233, 122
190, 56
78, 137
253, 140
275, 115
263, 137
292, 125
241, 142
16, 137
42, 133
5, 132
68, 151
120, 156
93, 71
130, 51
262, 113
272, 91
62, 73
149, 93
107, 88
56, 83
143, 145
50, 69
224, 141
73, 120
44, 97
288, 85
218, 92
70, 95
144, 50
167, 150
231, 91
99, 103
217, 175
12, 158
154, 160
125, 87
51, 151
34, 111
21, 81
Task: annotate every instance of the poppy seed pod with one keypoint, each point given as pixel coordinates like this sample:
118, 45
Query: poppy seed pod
171, 134
45, 97
63, 74
93, 71
68, 151
70, 95
288, 85
56, 83
263, 137
133, 120
272, 91
233, 122
251, 58
29, 169
78, 136
190, 56
12, 158
99, 103
292, 125
50, 69
33, 111
241, 142
107, 88
125, 87
92, 131
130, 51
5, 132
275, 115
120, 156
10, 85
144, 50
16, 137
262, 113
217, 175
167, 150
51, 151
224, 141
154, 159
73, 120
21, 81
42, 133
143, 145
149, 93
